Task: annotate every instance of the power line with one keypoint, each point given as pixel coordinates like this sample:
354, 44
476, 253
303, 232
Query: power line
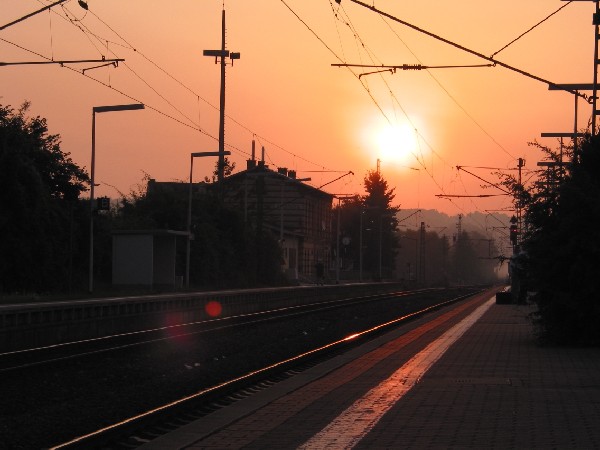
490, 168
469, 196
127, 96
490, 59
462, 108
393, 96
130, 47
530, 29
335, 55
31, 14
485, 181
62, 62
462, 47
393, 68
357, 37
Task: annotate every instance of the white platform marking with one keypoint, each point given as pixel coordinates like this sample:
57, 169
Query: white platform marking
346, 430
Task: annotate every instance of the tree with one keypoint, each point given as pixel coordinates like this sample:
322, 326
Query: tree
224, 253
379, 223
228, 168
41, 219
562, 243
382, 243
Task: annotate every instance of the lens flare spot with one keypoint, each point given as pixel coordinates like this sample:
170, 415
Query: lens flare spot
213, 308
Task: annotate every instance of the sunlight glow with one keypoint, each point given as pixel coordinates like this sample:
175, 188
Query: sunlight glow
397, 143
352, 336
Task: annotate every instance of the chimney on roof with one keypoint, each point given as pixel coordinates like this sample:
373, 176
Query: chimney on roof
251, 163
282, 171
292, 174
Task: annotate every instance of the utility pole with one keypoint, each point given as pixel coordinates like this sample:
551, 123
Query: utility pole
222, 53
574, 88
521, 164
596, 22
422, 276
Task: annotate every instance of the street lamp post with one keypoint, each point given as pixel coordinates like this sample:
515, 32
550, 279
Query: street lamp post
189, 214
380, 239
99, 109
360, 252
337, 245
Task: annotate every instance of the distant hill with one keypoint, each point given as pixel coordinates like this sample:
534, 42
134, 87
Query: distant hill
442, 223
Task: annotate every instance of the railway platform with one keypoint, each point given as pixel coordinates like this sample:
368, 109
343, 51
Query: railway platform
466, 377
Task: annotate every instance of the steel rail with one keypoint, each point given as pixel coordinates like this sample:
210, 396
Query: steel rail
10, 361
184, 410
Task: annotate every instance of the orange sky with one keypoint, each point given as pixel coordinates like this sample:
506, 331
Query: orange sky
283, 91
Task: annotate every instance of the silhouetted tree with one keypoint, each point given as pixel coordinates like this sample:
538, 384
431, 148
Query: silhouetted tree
228, 168
41, 219
379, 223
224, 253
380, 215
562, 243
564, 247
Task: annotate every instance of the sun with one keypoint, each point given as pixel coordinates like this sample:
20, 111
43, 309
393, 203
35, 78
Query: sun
397, 143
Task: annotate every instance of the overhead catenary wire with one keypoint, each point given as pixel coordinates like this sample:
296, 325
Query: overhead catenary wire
462, 47
130, 97
357, 37
333, 53
393, 68
87, 32
27, 16
421, 160
494, 61
130, 46
231, 119
469, 196
192, 125
61, 62
530, 29
216, 108
462, 108
411, 66
491, 168
485, 181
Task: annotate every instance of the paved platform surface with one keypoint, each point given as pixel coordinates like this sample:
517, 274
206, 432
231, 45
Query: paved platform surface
472, 377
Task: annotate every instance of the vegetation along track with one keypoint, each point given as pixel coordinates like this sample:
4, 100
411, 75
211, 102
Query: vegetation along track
75, 395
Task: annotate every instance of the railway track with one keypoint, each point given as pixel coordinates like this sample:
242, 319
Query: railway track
41, 355
159, 381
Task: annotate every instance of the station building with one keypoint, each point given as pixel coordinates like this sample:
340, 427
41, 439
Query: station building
280, 203
298, 214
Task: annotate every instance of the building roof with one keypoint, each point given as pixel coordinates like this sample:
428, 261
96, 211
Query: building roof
282, 173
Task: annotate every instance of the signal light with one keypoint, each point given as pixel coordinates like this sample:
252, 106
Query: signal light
514, 234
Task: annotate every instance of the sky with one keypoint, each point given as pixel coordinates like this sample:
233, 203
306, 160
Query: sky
283, 93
